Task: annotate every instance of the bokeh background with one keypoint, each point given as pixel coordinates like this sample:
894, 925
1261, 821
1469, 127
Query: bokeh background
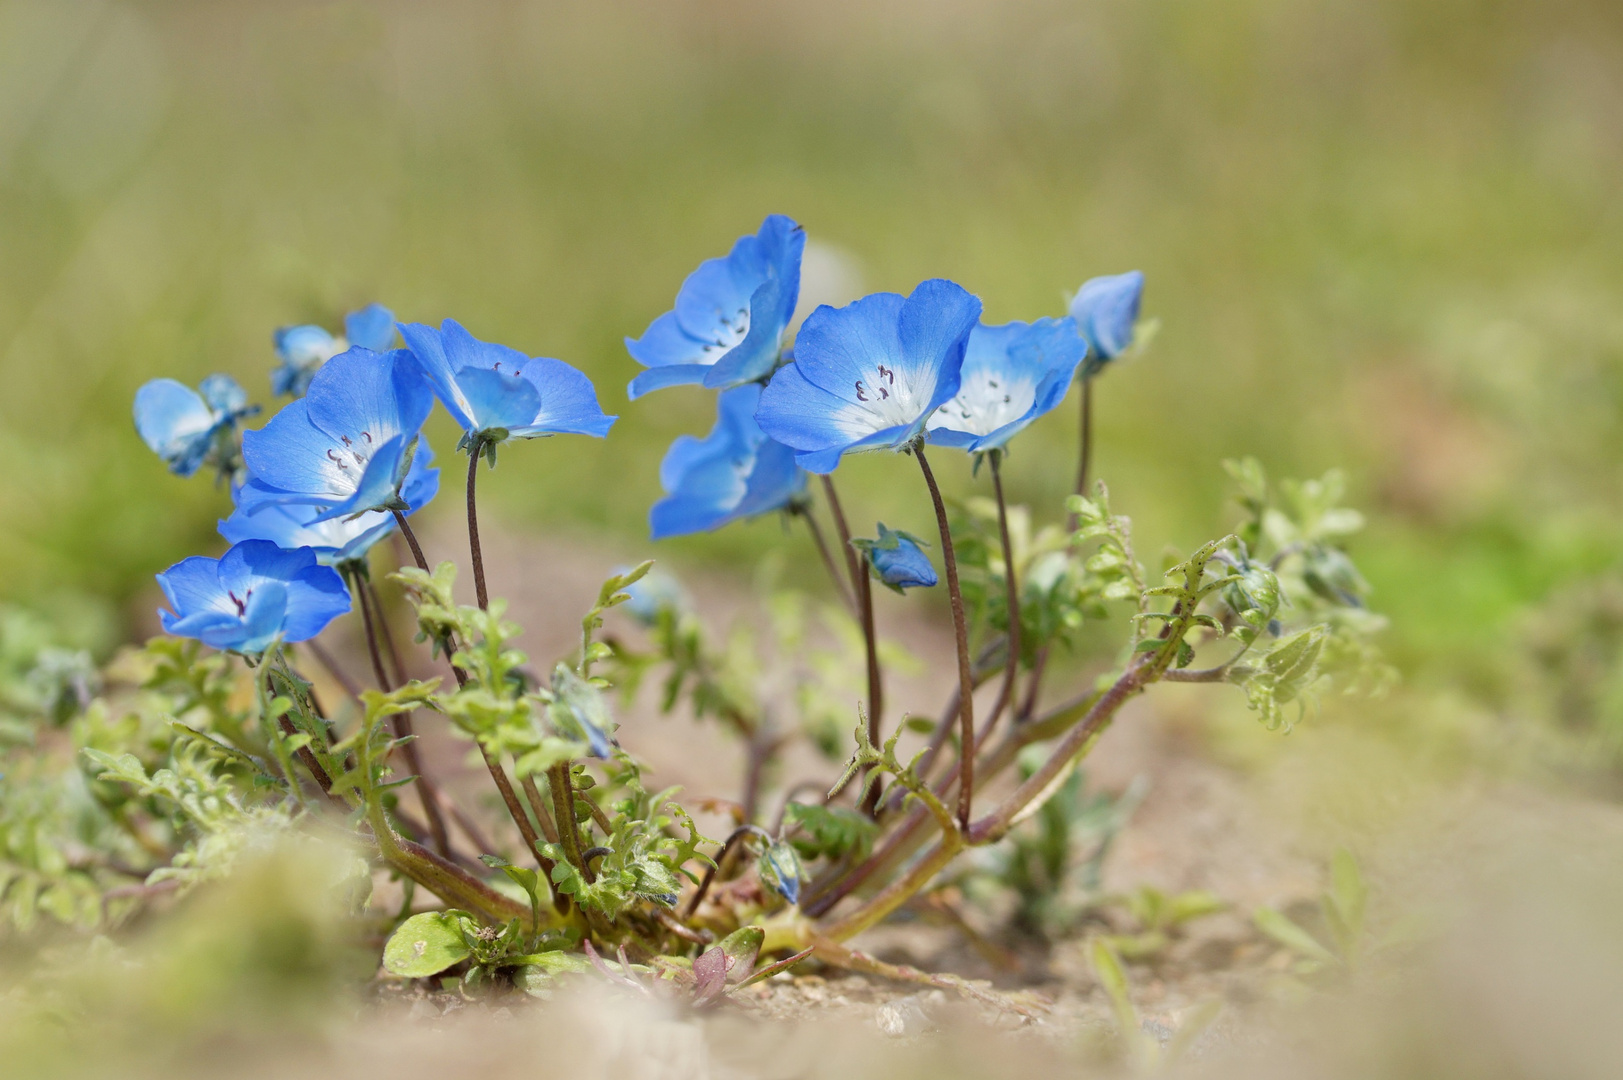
1383, 235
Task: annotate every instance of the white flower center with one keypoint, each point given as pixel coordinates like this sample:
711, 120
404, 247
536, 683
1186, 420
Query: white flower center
729, 332
986, 401
886, 398
352, 455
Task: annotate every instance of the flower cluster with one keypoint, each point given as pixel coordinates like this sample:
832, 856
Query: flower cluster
344, 463
338, 468
884, 372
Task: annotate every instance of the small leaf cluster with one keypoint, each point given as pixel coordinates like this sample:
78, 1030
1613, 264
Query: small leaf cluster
433, 942
642, 857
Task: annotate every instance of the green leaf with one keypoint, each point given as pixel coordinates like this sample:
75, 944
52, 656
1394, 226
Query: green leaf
537, 974
829, 830
1113, 980
741, 947
526, 879
426, 945
1276, 925
772, 969
1344, 902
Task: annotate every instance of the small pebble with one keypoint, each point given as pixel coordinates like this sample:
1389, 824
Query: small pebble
423, 1010
903, 1017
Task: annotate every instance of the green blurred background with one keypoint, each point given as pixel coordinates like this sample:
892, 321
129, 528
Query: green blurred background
1382, 235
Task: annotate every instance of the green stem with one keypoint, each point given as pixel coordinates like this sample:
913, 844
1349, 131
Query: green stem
439, 875
367, 597
563, 809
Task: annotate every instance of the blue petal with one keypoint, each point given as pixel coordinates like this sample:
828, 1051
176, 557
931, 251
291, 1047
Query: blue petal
264, 610
802, 415
1043, 355
378, 485
224, 394
1106, 310
315, 594
717, 294
175, 421
755, 356
497, 399
193, 585
199, 623
665, 343
952, 438
903, 567
315, 597
775, 480
368, 398
427, 345
660, 377
372, 327
730, 313
568, 402
680, 515
839, 347
304, 346
934, 331
290, 456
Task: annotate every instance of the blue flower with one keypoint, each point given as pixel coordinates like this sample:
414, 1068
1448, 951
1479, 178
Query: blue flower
734, 472
303, 349
1011, 375
346, 445
1106, 310
897, 559
498, 393
334, 540
250, 596
183, 426
869, 375
730, 317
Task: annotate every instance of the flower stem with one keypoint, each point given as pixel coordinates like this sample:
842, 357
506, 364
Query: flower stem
737, 837
816, 530
411, 539
474, 551
1011, 671
1084, 456
960, 626
563, 808
367, 597
857, 565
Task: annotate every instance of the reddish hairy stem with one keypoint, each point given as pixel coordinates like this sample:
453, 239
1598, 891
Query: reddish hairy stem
966, 677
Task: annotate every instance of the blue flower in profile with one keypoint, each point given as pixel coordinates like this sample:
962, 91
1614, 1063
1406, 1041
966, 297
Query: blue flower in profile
1106, 310
734, 472
1011, 375
897, 559
498, 393
348, 443
303, 349
730, 317
334, 540
251, 596
869, 375
185, 426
